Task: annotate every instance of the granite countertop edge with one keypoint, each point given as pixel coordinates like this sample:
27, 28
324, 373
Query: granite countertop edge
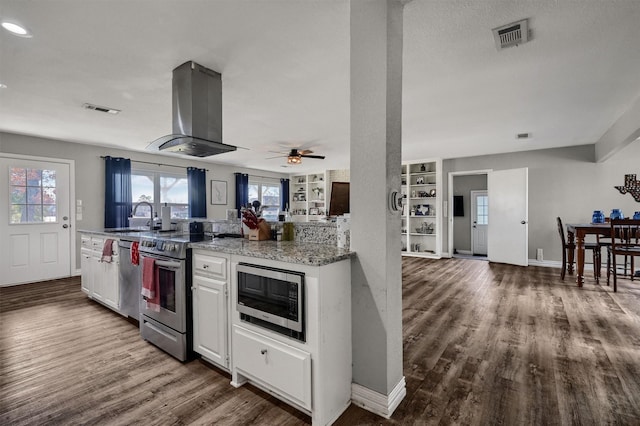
313, 254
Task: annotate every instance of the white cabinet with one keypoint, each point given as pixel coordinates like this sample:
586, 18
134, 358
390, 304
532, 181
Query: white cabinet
283, 368
100, 279
308, 197
109, 285
422, 211
86, 268
312, 375
210, 308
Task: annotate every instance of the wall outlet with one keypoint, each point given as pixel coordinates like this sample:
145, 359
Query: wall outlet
539, 256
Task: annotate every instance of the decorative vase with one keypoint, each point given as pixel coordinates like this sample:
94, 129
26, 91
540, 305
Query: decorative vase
616, 214
636, 215
598, 217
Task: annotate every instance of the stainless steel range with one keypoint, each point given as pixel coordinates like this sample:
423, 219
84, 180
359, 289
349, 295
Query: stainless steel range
168, 326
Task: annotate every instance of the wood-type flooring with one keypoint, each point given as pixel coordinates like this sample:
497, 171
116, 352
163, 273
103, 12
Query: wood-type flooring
484, 344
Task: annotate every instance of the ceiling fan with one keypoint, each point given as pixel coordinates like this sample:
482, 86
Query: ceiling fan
295, 156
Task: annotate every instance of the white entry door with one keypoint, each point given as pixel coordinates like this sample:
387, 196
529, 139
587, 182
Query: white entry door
479, 222
34, 220
508, 231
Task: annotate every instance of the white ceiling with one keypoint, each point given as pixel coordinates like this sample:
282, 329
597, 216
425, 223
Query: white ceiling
285, 71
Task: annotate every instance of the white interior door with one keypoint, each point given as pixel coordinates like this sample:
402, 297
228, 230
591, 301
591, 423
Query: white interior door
508, 231
34, 220
479, 222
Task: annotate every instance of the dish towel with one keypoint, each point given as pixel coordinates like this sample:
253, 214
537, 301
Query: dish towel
107, 251
150, 287
135, 253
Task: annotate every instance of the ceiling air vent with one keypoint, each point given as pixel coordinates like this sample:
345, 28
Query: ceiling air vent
511, 34
101, 108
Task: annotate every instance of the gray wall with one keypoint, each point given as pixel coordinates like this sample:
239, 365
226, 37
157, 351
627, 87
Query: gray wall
563, 182
89, 173
463, 185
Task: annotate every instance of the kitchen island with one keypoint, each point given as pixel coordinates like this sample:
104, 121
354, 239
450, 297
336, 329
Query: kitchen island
312, 373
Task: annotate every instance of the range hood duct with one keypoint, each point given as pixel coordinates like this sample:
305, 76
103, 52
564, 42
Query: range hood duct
197, 113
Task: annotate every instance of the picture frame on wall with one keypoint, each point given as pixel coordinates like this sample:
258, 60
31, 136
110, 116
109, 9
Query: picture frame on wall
218, 192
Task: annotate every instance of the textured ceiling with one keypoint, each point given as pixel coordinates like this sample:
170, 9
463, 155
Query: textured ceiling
285, 70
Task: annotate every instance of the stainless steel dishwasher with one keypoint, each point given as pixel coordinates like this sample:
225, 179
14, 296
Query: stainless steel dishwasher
130, 282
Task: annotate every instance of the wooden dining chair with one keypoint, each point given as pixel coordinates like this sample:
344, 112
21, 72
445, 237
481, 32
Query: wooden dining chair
626, 243
594, 247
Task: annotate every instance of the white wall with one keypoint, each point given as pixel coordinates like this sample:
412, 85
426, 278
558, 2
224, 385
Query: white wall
563, 182
89, 167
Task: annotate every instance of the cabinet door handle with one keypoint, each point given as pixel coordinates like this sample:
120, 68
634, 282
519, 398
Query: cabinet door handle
263, 351
205, 266
194, 288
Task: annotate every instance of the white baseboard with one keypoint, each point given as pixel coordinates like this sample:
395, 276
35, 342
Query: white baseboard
377, 403
465, 252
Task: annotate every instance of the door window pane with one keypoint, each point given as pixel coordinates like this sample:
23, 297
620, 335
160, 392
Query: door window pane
32, 195
482, 210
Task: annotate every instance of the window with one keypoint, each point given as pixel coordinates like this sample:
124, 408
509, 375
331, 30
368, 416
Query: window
267, 191
33, 195
158, 188
482, 210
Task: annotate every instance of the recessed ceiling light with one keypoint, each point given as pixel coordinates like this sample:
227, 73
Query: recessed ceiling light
16, 29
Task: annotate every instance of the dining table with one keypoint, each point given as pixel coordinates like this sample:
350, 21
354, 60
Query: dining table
576, 232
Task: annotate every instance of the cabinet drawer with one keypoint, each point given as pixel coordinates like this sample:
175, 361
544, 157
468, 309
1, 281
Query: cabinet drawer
283, 368
210, 264
85, 242
97, 243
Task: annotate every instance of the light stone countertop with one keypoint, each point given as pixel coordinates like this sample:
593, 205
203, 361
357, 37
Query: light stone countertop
296, 252
313, 254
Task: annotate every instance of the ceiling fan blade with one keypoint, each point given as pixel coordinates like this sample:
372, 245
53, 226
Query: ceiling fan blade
304, 151
320, 157
277, 156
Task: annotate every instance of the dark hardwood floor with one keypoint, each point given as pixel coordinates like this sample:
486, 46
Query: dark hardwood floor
484, 344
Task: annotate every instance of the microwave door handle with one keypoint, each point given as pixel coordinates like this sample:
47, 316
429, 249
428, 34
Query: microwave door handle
168, 265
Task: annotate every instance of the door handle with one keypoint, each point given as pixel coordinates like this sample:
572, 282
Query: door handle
65, 226
524, 222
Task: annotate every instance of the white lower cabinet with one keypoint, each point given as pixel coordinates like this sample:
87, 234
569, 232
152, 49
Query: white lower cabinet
86, 271
210, 319
283, 368
210, 293
100, 279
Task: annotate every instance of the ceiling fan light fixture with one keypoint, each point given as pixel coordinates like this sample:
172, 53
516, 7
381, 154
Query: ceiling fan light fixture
294, 159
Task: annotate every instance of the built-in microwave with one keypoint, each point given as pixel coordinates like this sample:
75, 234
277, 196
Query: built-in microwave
272, 298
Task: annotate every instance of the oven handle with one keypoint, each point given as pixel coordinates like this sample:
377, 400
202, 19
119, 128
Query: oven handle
168, 264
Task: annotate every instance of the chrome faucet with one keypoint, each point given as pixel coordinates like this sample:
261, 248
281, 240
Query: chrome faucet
135, 208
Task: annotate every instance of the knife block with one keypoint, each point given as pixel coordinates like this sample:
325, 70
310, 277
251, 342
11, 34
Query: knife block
261, 233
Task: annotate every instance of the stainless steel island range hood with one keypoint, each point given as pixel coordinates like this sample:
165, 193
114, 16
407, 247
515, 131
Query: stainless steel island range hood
197, 113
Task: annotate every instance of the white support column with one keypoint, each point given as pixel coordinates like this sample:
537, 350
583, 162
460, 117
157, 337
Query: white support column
376, 112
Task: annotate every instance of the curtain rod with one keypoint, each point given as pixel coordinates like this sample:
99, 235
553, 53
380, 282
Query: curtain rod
157, 164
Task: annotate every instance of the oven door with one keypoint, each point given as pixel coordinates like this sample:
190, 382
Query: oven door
171, 282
